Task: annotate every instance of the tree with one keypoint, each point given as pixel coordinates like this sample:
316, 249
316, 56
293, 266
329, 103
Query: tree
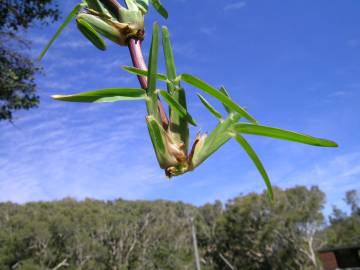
344, 229
256, 234
18, 70
248, 233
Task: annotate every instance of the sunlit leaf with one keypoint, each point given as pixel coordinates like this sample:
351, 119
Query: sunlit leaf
178, 124
156, 135
168, 55
131, 4
143, 5
209, 107
141, 72
159, 139
282, 134
250, 151
91, 34
159, 8
226, 93
99, 25
96, 5
61, 28
177, 107
152, 102
105, 95
216, 94
217, 137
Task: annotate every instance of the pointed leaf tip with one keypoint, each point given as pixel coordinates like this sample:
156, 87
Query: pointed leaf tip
199, 84
160, 8
282, 134
68, 19
208, 106
253, 156
177, 107
104, 95
141, 72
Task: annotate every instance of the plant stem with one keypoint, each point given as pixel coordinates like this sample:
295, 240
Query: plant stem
139, 62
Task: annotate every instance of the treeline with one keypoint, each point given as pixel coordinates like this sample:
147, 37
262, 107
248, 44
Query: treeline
248, 232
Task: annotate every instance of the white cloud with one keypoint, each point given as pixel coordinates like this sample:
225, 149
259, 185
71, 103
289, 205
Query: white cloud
207, 30
334, 176
235, 6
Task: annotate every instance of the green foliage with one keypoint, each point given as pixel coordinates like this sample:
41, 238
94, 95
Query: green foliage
17, 82
253, 234
282, 134
247, 232
344, 229
105, 95
17, 14
17, 70
95, 235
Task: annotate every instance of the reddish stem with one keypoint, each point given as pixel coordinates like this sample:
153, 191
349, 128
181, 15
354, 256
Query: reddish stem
139, 62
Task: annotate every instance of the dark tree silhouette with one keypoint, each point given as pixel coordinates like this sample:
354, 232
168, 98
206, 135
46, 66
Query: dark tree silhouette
17, 70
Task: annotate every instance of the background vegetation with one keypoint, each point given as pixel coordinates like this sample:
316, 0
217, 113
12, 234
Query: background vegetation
17, 68
248, 232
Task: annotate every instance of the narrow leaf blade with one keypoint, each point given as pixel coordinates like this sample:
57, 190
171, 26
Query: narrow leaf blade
156, 135
168, 54
282, 134
61, 28
226, 93
143, 5
101, 26
253, 156
131, 4
178, 123
210, 108
218, 137
177, 107
152, 102
196, 82
91, 34
105, 95
159, 8
159, 139
141, 72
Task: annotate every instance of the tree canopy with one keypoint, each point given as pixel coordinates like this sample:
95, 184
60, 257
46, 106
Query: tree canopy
17, 69
248, 232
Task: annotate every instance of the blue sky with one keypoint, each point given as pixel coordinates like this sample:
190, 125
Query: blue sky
292, 64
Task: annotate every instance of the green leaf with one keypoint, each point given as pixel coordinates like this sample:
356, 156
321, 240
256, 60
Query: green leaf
96, 5
105, 95
159, 8
250, 151
141, 72
216, 94
169, 57
61, 28
178, 124
100, 26
108, 8
91, 34
156, 135
226, 93
152, 102
131, 4
177, 107
209, 107
159, 139
143, 5
218, 137
282, 134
